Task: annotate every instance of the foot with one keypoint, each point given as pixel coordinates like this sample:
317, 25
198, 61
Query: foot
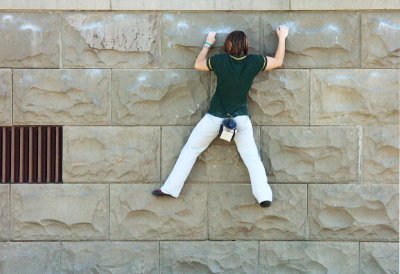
158, 192
265, 203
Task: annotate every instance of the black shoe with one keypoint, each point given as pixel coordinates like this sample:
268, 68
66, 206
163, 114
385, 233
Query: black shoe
265, 203
158, 192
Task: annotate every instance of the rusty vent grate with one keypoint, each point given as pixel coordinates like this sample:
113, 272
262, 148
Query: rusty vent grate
31, 154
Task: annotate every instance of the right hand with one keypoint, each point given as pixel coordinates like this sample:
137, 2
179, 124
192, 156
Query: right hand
211, 37
282, 31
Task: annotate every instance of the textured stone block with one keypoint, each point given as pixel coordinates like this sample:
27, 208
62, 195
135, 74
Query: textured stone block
380, 40
344, 4
56, 4
316, 40
104, 39
308, 257
184, 34
235, 214
354, 212
62, 96
280, 97
220, 162
159, 97
4, 212
111, 154
110, 257
5, 97
29, 39
380, 155
59, 212
209, 257
376, 258
355, 97
310, 154
138, 215
23, 258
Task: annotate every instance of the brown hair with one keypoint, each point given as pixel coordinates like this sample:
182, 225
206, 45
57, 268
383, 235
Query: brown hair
236, 44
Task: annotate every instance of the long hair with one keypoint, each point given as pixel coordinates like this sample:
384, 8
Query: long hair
236, 43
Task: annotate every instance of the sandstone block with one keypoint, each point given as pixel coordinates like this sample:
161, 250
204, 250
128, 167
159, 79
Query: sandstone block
343, 5
220, 162
235, 214
162, 5
280, 97
310, 154
29, 39
380, 155
56, 4
36, 257
138, 215
378, 258
355, 97
62, 96
159, 97
308, 257
104, 39
59, 212
111, 154
184, 34
380, 40
5, 97
316, 40
252, 5
4, 213
209, 257
110, 257
354, 212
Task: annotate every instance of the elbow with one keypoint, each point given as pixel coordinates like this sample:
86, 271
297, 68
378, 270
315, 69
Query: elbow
196, 65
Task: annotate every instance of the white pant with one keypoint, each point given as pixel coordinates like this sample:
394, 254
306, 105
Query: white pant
200, 138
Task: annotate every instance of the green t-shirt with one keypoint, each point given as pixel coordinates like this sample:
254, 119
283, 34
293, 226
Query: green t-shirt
234, 78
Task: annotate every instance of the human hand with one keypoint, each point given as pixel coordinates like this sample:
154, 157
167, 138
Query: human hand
211, 37
282, 31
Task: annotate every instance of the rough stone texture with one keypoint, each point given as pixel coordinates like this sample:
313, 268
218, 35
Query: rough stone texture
29, 39
5, 97
355, 97
23, 258
220, 162
138, 215
62, 96
308, 257
110, 257
56, 4
280, 97
344, 4
209, 257
380, 155
183, 34
380, 40
111, 154
310, 154
4, 213
235, 214
59, 212
145, 97
379, 258
316, 40
103, 39
354, 212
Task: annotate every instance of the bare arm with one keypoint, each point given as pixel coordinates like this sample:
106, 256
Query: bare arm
277, 61
201, 59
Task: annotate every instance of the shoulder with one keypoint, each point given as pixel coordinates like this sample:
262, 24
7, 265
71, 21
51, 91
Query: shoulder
215, 60
259, 60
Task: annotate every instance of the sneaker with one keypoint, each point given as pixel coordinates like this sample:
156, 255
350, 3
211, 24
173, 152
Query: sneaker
265, 203
158, 192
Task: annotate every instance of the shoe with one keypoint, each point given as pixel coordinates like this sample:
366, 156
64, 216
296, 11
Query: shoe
158, 192
265, 203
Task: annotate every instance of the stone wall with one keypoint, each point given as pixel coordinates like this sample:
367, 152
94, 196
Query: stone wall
118, 75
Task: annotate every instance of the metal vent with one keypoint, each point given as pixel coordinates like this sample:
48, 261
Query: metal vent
31, 154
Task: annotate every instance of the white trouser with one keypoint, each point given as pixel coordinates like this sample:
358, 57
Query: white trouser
200, 138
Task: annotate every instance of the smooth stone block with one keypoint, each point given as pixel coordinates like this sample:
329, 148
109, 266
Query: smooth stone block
162, 5
344, 4
381, 40
252, 5
379, 258
308, 257
353, 212
159, 97
209, 257
355, 97
5, 97
4, 213
110, 257
138, 215
380, 155
310, 154
112, 154
110, 39
315, 40
56, 4
59, 212
29, 39
62, 96
235, 214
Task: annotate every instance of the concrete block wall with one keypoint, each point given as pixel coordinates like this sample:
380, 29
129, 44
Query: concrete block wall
118, 75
